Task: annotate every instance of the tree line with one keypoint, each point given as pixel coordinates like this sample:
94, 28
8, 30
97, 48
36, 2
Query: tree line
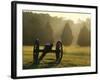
38, 26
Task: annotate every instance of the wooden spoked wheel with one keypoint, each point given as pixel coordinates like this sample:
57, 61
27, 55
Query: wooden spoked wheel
59, 52
36, 52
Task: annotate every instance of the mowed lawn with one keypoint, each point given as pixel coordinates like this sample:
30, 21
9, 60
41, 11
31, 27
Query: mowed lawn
72, 57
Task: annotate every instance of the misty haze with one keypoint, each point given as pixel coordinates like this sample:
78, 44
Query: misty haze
72, 29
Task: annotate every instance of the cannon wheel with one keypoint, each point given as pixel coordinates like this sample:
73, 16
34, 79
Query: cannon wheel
59, 52
36, 51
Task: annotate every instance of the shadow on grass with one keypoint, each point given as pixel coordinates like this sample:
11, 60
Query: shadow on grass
31, 65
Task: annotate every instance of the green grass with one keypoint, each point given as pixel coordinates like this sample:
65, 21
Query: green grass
72, 57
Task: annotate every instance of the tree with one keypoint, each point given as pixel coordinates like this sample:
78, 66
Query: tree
36, 26
84, 37
67, 35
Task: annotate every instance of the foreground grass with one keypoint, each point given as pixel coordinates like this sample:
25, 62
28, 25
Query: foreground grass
72, 57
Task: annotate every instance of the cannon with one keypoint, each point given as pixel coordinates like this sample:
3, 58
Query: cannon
47, 49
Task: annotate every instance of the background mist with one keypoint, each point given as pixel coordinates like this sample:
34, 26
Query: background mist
49, 28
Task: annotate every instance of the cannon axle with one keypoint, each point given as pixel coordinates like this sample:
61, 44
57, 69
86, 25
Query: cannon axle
48, 48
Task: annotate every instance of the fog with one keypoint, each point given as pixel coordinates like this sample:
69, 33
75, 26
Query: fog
54, 24
57, 25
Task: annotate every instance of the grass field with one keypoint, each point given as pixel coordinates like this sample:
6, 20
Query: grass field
72, 57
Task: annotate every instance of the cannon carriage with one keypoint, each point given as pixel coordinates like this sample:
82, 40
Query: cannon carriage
47, 49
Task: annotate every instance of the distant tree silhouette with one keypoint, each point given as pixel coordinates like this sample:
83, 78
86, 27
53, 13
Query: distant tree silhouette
84, 37
49, 33
67, 35
36, 26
